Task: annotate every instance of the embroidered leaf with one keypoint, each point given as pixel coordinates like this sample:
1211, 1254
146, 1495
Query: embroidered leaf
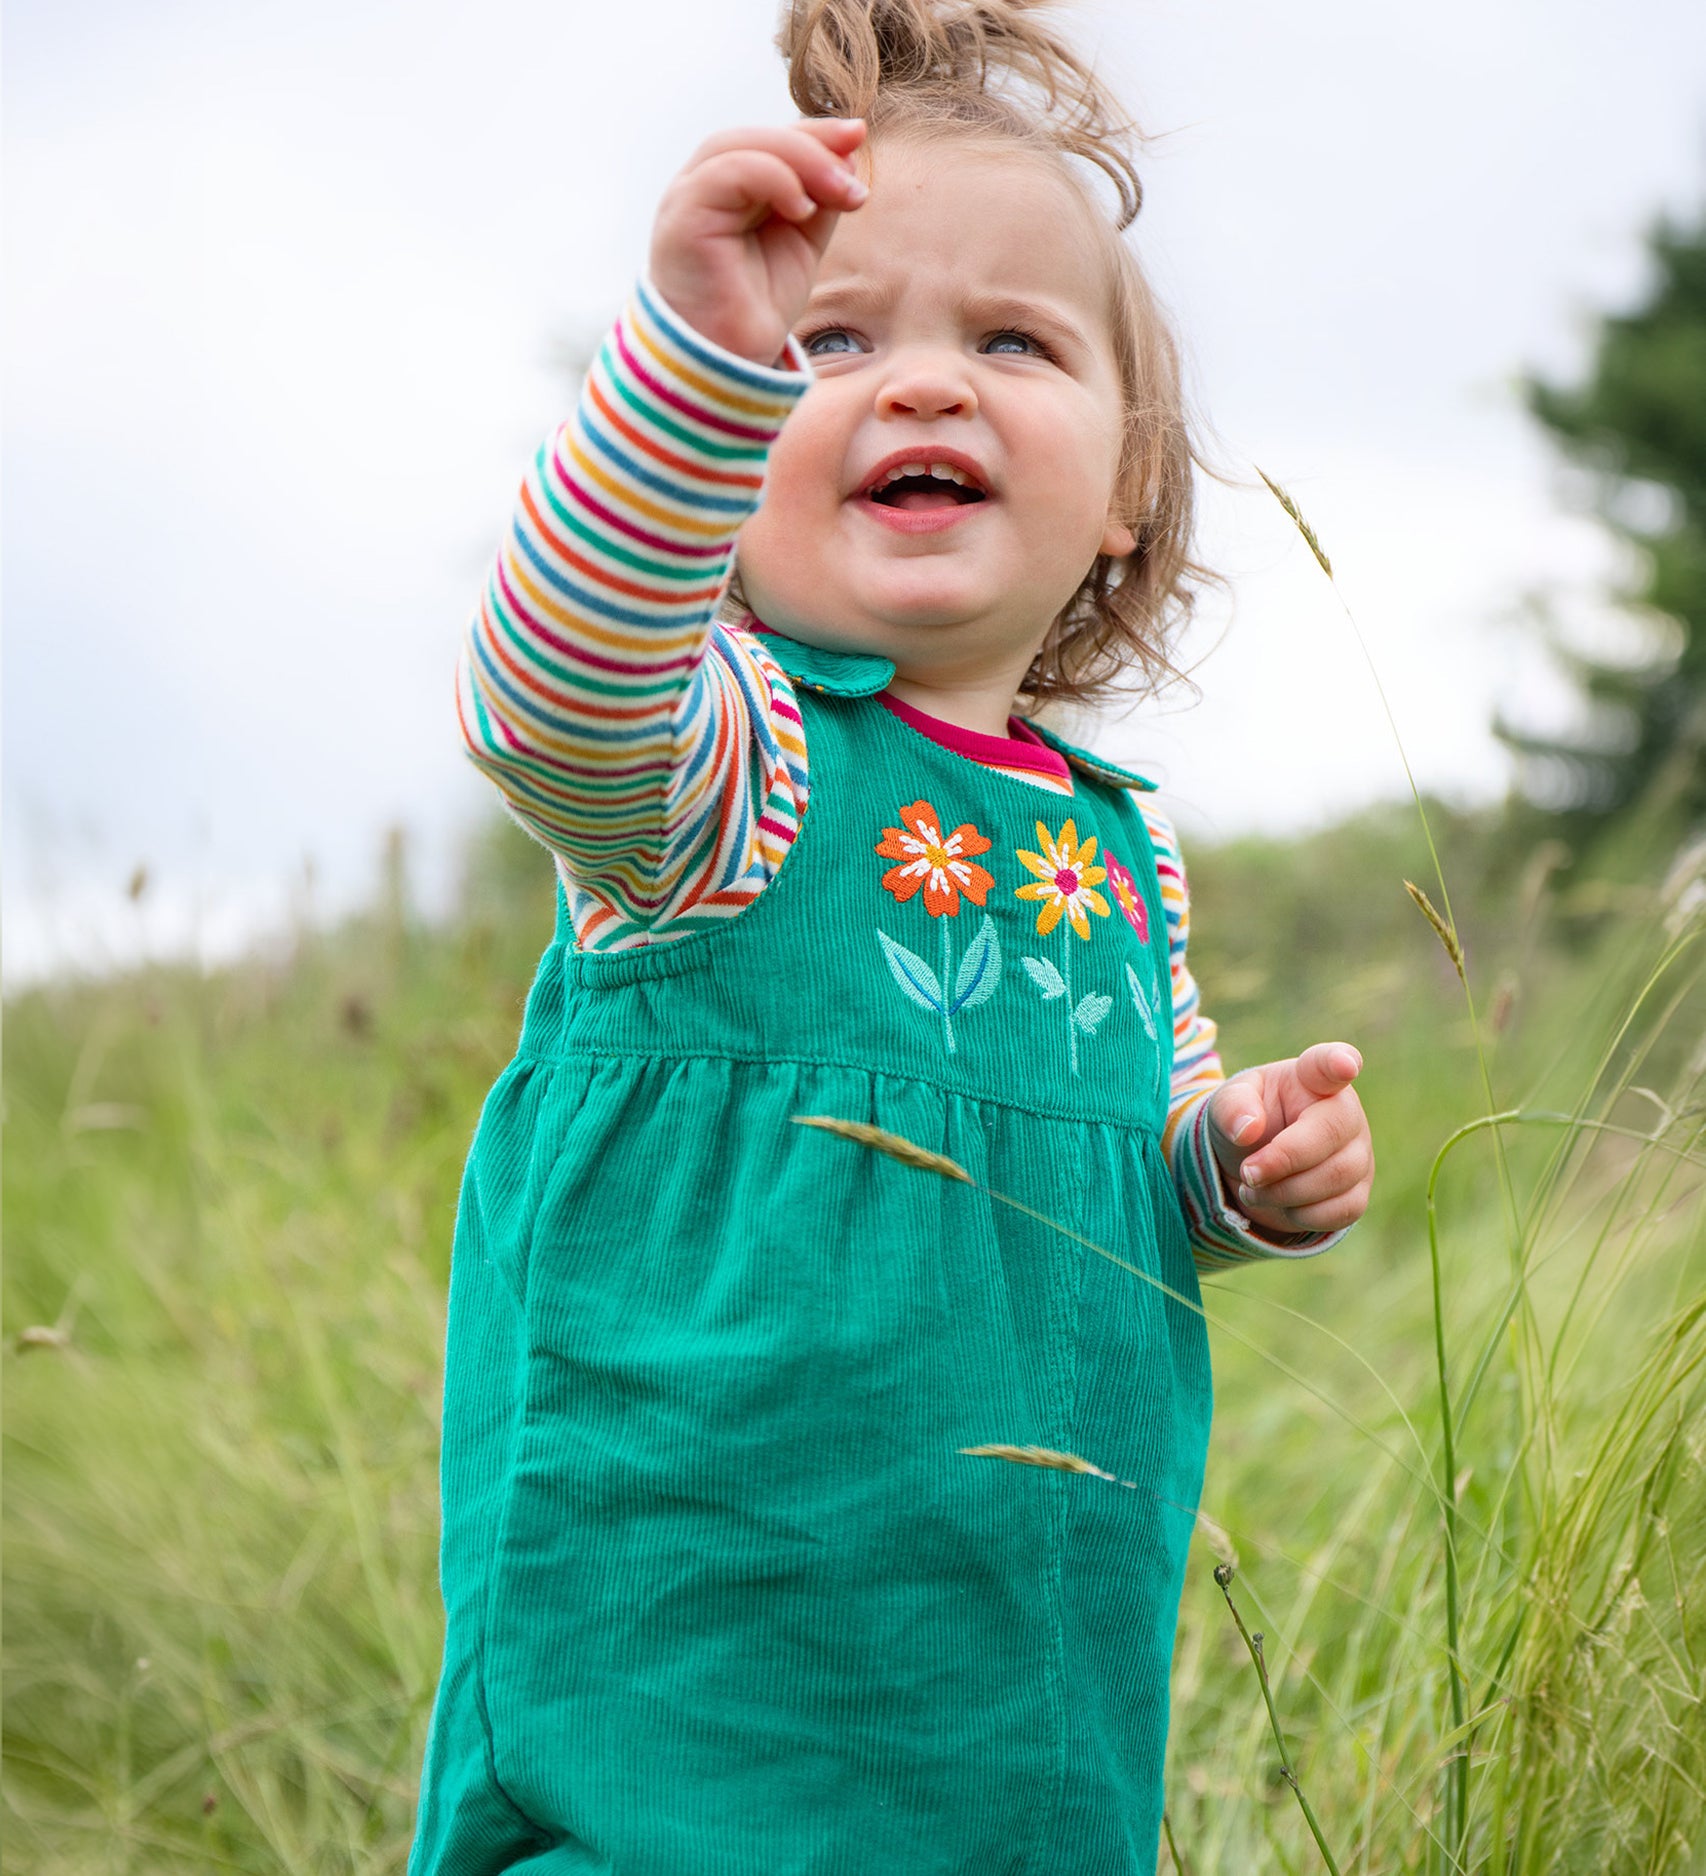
913, 975
1090, 1011
980, 969
1046, 978
1141, 1001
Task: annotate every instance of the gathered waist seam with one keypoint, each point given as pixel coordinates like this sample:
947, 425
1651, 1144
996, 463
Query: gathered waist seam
557, 1058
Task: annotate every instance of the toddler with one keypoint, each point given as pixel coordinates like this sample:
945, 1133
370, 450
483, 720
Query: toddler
885, 452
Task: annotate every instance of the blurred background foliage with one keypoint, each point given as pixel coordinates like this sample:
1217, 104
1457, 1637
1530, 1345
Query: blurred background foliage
1637, 428
228, 1206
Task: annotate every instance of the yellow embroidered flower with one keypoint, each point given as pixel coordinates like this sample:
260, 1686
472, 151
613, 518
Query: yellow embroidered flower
1065, 879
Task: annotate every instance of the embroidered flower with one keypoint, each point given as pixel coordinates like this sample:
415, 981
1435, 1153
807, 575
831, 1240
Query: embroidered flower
941, 863
1065, 879
1126, 892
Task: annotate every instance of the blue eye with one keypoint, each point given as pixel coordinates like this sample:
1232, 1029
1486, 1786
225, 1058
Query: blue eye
810, 342
1025, 338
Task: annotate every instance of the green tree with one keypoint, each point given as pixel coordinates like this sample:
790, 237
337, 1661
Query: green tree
1638, 426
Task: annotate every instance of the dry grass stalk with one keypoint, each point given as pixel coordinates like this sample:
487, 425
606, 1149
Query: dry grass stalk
1218, 1539
1037, 1456
1180, 1866
1047, 1456
890, 1143
1302, 526
1223, 1575
1446, 935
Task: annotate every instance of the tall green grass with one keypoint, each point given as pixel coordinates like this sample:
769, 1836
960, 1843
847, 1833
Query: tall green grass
228, 1203
1493, 1657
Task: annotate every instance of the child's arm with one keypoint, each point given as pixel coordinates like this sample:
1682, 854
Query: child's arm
660, 760
1316, 1177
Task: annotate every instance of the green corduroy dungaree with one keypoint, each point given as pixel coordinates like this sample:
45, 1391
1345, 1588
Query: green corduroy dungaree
724, 1596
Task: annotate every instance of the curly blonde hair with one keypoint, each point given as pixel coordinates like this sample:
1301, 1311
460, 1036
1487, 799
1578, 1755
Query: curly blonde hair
989, 74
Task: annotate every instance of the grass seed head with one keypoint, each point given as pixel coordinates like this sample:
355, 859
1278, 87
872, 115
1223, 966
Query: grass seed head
40, 1335
1218, 1539
1446, 935
890, 1143
1302, 526
1037, 1456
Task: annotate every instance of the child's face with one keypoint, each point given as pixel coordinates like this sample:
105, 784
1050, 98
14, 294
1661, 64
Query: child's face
911, 331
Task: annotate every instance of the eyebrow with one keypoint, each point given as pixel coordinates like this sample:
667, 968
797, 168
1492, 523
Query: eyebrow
865, 295
1044, 312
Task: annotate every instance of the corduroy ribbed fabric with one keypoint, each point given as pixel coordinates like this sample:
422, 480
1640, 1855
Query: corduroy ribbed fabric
723, 1595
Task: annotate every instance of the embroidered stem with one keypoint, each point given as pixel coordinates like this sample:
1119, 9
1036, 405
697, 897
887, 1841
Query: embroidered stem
947, 982
1071, 1021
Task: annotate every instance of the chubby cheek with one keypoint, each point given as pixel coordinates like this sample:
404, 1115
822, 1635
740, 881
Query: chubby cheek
775, 545
1076, 470
802, 488
763, 569
1065, 524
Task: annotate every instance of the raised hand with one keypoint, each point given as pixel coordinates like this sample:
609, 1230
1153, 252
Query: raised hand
741, 230
1293, 1142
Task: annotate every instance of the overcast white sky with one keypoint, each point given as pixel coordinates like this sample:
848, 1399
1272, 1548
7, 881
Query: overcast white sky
286, 281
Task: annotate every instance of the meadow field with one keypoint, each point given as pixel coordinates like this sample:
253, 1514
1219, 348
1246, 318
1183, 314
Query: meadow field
1459, 1465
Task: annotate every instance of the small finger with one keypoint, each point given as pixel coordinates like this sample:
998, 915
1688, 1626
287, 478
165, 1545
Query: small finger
738, 181
1317, 1133
1326, 1067
1335, 1175
821, 171
1236, 1110
844, 134
1331, 1214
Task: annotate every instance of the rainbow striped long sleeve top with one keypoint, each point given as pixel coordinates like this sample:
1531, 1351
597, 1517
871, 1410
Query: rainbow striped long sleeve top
653, 745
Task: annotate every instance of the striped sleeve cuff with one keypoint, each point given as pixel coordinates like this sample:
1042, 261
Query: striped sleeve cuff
762, 395
1221, 1236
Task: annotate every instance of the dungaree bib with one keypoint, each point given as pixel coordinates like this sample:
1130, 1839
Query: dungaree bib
724, 1595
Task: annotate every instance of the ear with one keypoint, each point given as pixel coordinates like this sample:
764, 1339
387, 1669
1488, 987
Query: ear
1118, 540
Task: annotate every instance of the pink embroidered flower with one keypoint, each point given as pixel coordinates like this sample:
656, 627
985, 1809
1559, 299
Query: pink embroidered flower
940, 863
1065, 879
1131, 900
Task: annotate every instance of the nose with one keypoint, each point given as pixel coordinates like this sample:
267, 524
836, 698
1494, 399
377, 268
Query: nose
927, 383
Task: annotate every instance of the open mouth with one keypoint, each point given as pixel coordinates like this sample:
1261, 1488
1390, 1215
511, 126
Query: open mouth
917, 487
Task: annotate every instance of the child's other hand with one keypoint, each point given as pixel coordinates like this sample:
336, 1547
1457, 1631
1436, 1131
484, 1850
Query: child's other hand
740, 232
1293, 1142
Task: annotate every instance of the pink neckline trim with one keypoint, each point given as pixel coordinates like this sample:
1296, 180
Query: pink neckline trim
1021, 748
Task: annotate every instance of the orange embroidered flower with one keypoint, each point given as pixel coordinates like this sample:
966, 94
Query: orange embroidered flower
1131, 900
1065, 879
940, 863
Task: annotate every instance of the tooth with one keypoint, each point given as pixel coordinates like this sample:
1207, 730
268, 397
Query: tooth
941, 472
914, 469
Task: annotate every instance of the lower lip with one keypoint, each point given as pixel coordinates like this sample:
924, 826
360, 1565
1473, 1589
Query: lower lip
917, 520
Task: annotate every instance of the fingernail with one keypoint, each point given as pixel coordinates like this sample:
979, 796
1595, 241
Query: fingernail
1251, 1173
856, 190
1248, 1198
1243, 1130
1355, 1060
